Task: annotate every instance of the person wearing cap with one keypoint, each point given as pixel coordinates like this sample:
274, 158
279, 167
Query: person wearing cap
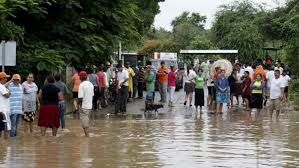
4, 104
162, 74
49, 96
16, 104
122, 77
85, 95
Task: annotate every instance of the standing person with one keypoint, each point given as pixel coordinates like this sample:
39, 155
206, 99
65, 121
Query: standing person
256, 98
206, 68
75, 87
239, 81
269, 77
29, 100
85, 95
140, 81
150, 83
49, 97
199, 90
211, 93
286, 80
232, 79
189, 85
122, 89
93, 78
130, 81
61, 103
222, 86
171, 85
246, 89
16, 102
101, 84
135, 80
276, 94
4, 104
162, 74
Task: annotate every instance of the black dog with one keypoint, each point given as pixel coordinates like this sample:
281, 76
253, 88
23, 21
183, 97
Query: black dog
152, 107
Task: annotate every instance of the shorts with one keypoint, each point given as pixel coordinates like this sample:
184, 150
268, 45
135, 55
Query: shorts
29, 116
275, 104
84, 117
2, 122
286, 89
75, 95
189, 87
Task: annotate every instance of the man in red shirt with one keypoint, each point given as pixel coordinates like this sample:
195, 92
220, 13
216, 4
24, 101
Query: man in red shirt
102, 85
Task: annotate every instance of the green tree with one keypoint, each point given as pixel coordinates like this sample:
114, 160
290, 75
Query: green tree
234, 28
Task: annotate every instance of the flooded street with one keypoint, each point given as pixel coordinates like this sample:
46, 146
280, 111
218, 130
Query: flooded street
177, 137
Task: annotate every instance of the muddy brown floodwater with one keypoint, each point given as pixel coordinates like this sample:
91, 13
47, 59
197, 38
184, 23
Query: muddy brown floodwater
177, 137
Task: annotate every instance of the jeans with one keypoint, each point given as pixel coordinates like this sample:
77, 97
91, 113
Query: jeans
140, 89
14, 119
163, 91
61, 106
121, 99
171, 91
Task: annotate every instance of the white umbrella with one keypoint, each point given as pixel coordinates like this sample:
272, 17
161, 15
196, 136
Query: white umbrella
222, 64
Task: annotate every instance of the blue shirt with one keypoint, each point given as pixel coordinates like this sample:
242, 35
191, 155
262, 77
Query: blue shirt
15, 99
222, 83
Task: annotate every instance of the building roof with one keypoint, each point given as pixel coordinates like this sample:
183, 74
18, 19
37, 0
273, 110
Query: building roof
209, 51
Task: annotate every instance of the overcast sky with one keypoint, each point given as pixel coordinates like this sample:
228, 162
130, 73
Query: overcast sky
172, 8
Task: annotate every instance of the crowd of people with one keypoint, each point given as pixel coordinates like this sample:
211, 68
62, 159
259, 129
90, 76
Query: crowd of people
95, 88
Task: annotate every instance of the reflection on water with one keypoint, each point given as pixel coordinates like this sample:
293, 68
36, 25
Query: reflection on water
172, 138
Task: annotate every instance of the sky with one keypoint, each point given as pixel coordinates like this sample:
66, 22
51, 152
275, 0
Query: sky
173, 8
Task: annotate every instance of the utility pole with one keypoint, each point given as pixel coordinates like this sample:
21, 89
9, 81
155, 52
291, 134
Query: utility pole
3, 55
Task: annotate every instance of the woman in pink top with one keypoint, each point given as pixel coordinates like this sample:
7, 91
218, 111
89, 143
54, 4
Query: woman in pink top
171, 85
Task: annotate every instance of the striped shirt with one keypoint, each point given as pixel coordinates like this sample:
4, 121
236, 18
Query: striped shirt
15, 98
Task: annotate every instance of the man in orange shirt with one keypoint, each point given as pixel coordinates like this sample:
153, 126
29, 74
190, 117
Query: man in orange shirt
75, 88
162, 75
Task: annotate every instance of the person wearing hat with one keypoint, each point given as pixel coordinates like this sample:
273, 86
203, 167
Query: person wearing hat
4, 105
49, 96
16, 104
85, 95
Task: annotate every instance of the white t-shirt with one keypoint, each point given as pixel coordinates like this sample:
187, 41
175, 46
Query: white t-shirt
286, 79
4, 102
122, 76
86, 92
275, 89
189, 77
269, 76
